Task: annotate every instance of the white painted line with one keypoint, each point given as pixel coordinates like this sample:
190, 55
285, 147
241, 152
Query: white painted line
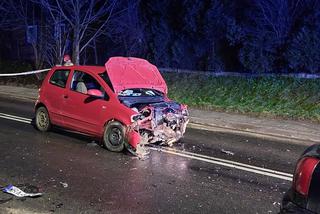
204, 158
229, 162
16, 117
226, 164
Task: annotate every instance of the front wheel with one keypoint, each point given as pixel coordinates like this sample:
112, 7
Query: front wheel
42, 120
114, 136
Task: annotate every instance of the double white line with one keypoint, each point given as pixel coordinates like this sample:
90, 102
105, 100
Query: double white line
15, 118
195, 156
226, 163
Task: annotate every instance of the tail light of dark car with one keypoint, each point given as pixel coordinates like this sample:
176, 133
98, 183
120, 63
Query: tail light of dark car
303, 174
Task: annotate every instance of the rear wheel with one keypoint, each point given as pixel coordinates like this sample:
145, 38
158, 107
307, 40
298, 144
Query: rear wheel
114, 136
42, 120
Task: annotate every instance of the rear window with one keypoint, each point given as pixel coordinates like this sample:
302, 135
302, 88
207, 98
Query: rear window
60, 78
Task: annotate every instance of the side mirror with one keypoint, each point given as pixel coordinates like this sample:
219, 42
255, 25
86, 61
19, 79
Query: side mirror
95, 93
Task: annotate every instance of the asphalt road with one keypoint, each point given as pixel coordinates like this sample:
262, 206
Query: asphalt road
187, 179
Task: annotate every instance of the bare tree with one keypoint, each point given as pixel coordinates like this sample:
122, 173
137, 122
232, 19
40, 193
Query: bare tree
87, 19
274, 16
20, 15
57, 37
127, 28
266, 32
3, 11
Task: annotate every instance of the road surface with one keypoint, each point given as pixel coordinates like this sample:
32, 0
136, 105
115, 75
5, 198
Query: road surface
207, 172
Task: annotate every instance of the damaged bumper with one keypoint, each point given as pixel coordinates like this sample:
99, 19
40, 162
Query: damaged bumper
163, 123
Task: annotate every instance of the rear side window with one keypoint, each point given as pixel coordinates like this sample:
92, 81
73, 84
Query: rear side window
59, 78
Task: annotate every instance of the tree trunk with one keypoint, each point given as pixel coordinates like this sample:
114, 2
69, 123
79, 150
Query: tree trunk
76, 47
95, 52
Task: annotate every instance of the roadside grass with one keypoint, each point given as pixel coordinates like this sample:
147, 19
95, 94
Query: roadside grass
284, 97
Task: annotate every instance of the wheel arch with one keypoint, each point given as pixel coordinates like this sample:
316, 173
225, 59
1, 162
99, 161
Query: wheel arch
109, 121
38, 105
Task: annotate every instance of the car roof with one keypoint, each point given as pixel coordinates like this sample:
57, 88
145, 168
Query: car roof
92, 69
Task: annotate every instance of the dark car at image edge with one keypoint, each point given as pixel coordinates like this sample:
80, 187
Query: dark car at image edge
304, 195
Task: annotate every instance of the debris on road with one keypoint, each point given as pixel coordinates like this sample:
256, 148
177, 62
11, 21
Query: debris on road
227, 152
13, 190
142, 152
65, 185
92, 144
276, 203
59, 205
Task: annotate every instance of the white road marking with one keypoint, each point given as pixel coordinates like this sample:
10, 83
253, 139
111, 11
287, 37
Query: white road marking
227, 163
195, 156
15, 118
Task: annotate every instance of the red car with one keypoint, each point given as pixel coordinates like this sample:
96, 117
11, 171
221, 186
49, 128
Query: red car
304, 195
124, 103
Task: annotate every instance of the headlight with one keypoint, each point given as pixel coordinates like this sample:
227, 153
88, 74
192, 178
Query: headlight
185, 112
136, 117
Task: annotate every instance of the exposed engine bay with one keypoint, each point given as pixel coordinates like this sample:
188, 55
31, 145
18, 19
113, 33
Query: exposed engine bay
157, 120
162, 122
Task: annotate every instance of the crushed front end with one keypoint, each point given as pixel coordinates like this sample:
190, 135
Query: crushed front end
163, 122
156, 119
156, 123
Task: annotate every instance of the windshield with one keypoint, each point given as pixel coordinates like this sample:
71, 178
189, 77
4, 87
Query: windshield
139, 92
106, 78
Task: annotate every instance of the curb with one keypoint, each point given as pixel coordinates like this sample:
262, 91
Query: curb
247, 133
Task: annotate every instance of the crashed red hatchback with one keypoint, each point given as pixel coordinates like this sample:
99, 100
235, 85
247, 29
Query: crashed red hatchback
124, 103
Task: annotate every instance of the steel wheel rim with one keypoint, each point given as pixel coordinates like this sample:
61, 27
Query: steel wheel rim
42, 119
115, 136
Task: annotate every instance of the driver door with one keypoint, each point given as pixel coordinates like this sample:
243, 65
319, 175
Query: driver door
84, 113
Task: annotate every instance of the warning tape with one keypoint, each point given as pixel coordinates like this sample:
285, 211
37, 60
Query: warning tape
24, 73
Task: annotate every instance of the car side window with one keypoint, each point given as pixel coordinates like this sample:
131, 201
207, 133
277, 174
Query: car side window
83, 82
60, 78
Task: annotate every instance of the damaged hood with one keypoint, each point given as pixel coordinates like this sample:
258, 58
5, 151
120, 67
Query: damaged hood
126, 73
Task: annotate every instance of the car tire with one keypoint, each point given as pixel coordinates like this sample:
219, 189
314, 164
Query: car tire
42, 120
114, 137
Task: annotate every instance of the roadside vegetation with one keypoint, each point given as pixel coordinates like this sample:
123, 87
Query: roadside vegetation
284, 97
7, 67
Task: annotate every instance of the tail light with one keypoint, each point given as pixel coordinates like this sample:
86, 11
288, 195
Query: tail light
303, 174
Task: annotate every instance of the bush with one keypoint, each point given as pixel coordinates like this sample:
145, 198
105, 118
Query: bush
304, 51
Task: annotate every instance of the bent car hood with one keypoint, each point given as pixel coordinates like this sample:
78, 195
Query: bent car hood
132, 72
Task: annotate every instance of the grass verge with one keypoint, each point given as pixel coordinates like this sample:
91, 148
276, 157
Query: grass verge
266, 96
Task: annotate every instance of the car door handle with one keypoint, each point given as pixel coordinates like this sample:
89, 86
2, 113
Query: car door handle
65, 96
